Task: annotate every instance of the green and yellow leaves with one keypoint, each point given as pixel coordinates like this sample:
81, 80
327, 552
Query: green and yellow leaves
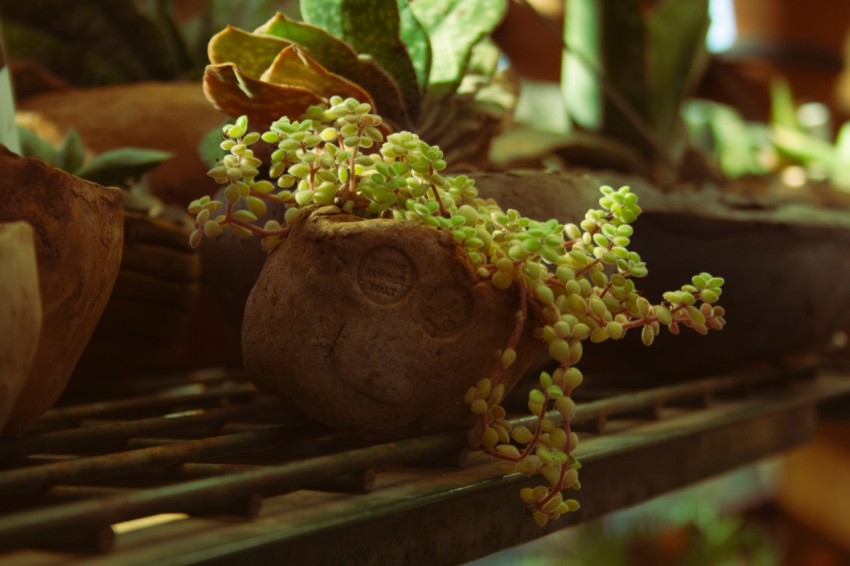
235, 93
454, 28
372, 28
266, 77
409, 60
252, 53
294, 67
339, 58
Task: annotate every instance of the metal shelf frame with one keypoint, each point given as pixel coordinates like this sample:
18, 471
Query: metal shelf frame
255, 482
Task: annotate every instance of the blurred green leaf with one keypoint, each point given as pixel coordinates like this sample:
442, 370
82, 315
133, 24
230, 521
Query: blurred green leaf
783, 111
209, 148
415, 37
677, 56
32, 145
71, 152
339, 58
721, 132
454, 28
841, 172
90, 42
608, 37
372, 28
119, 167
801, 147
161, 14
580, 86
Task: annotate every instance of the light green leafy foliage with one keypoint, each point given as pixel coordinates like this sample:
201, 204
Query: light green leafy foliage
574, 280
416, 62
750, 148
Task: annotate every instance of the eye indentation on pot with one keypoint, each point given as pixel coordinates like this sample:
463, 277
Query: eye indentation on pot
446, 310
386, 275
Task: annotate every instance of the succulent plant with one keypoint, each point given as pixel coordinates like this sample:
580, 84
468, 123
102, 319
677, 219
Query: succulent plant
573, 280
427, 66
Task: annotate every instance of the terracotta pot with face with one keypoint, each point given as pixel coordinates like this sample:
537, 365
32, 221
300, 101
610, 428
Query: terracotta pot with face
376, 327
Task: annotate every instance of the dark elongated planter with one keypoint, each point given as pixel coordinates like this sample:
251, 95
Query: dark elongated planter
786, 266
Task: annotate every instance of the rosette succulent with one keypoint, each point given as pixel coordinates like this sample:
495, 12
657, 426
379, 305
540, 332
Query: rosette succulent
427, 66
574, 282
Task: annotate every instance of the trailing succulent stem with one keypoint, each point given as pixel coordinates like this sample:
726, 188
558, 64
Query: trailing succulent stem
574, 281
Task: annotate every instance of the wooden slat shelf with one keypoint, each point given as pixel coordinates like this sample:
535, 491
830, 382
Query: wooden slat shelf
254, 483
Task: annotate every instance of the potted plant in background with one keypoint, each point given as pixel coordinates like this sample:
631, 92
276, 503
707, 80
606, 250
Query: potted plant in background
133, 67
158, 283
628, 118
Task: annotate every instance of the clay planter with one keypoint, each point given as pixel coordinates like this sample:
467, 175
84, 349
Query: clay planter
375, 327
786, 266
154, 296
79, 234
171, 116
232, 264
20, 314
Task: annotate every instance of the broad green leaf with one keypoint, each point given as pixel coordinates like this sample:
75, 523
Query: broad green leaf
294, 67
583, 60
483, 58
235, 93
339, 58
253, 53
526, 144
372, 28
415, 37
454, 27
605, 38
677, 57
120, 167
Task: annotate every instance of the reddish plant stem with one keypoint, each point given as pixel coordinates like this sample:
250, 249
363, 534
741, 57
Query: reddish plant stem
254, 229
443, 212
519, 328
565, 467
352, 180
